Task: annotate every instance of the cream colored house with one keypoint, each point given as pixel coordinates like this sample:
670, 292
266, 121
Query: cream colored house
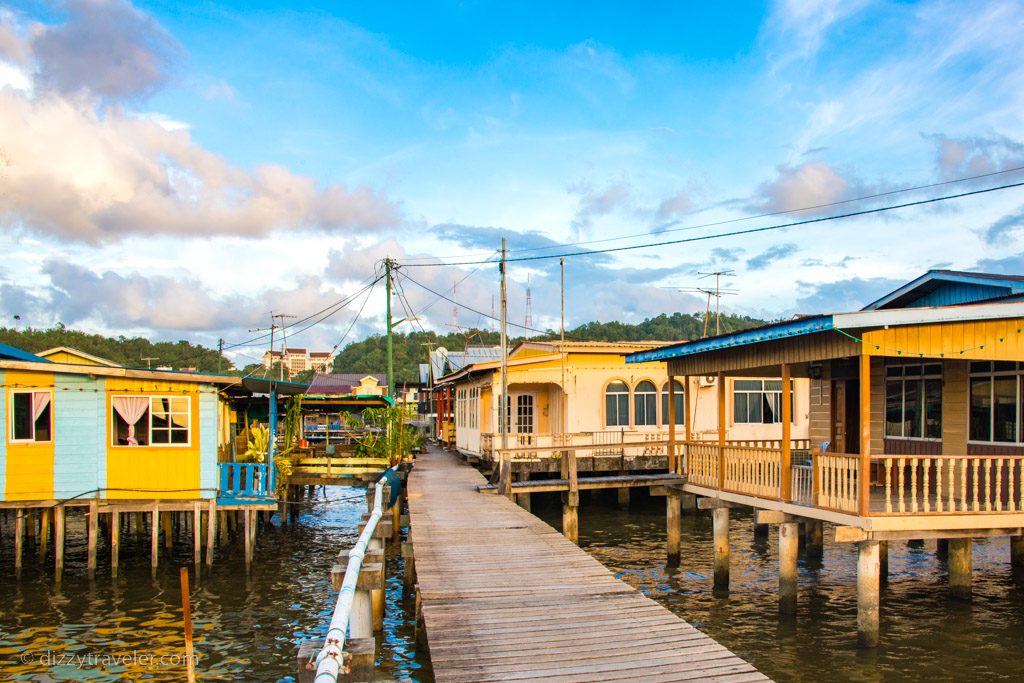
586, 388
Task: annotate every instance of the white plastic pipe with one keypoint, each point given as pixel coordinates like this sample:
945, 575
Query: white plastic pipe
329, 661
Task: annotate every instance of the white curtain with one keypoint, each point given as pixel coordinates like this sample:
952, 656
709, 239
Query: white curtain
131, 409
40, 399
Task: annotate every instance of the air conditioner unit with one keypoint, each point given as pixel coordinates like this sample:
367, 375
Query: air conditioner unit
708, 380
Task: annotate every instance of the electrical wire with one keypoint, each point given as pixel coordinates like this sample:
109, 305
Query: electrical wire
733, 233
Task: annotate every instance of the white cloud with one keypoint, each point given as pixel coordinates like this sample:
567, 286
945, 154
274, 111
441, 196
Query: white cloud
814, 183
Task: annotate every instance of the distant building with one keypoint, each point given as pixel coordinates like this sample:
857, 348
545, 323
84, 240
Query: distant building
296, 360
320, 362
348, 383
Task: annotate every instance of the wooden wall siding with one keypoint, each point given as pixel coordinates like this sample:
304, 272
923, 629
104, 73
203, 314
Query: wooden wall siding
993, 449
912, 447
949, 339
957, 293
820, 415
207, 438
28, 466
954, 407
3, 436
877, 406
79, 448
812, 347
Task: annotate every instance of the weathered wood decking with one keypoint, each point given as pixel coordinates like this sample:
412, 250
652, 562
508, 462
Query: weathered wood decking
505, 597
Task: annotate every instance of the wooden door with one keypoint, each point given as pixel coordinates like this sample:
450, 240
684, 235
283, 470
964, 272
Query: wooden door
838, 416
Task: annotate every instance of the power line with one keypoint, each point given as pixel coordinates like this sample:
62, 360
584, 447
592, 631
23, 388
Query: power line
747, 231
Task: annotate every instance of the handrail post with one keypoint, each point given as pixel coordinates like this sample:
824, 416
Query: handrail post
786, 450
815, 479
721, 430
671, 423
864, 472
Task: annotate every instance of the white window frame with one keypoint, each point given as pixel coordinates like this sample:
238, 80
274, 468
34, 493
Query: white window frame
149, 426
629, 404
10, 434
761, 392
992, 375
651, 416
921, 380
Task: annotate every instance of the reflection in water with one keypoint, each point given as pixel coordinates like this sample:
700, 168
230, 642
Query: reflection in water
926, 635
246, 627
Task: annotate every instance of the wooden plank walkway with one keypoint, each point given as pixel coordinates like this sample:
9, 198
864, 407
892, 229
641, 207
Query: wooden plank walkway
505, 597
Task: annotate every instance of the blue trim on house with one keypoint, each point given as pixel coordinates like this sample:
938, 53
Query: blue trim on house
8, 352
79, 435
3, 439
939, 288
207, 443
793, 328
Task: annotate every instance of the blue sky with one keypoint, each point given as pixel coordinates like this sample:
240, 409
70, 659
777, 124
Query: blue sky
181, 169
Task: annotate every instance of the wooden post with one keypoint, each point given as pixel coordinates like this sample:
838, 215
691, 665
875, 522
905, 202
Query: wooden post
789, 541
248, 531
167, 521
673, 518
44, 532
211, 531
408, 560
360, 623
376, 571
720, 524
622, 495
154, 538
58, 541
867, 594
524, 500
115, 540
960, 565
571, 500
883, 562
140, 526
721, 435
396, 519
19, 539
94, 529
864, 471
786, 450
761, 531
815, 538
1017, 551
197, 533
672, 465
186, 613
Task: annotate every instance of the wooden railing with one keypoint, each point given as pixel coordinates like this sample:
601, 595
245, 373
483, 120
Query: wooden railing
952, 484
753, 471
835, 481
701, 463
244, 479
611, 442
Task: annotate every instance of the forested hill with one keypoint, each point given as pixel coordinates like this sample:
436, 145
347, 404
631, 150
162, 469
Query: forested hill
410, 349
128, 351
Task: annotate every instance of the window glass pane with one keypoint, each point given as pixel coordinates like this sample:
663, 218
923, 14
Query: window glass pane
22, 418
773, 385
770, 408
179, 436
161, 436
179, 405
1005, 390
912, 409
42, 425
623, 410
894, 408
912, 370
980, 366
981, 409
933, 408
180, 420
1005, 366
933, 369
617, 404
754, 411
645, 387
739, 408
680, 402
894, 371
747, 385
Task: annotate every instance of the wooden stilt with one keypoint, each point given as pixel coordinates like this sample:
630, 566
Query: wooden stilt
673, 515
623, 497
815, 536
222, 527
197, 533
45, 516
250, 532
154, 538
571, 499
377, 594
1017, 551
19, 539
58, 541
525, 500
409, 575
140, 526
761, 531
94, 529
883, 562
960, 566
867, 594
396, 520
211, 531
360, 623
788, 546
720, 524
115, 540
167, 521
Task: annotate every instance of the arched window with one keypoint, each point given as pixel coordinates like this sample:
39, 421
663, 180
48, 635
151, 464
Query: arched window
616, 405
645, 404
680, 402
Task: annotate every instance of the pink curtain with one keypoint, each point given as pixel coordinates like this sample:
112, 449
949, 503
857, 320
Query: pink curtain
40, 399
131, 409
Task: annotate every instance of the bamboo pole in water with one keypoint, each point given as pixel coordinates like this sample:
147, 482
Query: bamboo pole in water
190, 663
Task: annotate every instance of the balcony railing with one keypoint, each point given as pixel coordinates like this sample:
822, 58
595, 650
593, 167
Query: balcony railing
244, 480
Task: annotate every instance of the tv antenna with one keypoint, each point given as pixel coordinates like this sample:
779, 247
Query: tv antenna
717, 292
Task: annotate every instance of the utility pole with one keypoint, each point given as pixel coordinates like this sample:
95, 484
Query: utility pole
284, 339
391, 361
503, 410
561, 263
718, 291
271, 330
220, 353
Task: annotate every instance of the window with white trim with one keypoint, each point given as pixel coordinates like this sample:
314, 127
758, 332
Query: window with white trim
31, 416
616, 404
995, 402
759, 401
645, 404
913, 401
151, 420
678, 398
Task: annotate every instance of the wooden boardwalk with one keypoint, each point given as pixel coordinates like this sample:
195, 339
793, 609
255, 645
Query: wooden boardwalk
505, 597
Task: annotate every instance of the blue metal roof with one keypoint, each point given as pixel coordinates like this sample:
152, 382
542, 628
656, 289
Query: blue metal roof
791, 328
949, 288
8, 352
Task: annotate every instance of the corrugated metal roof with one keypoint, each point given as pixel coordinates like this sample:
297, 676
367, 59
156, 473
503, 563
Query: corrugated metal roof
987, 286
9, 352
342, 382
